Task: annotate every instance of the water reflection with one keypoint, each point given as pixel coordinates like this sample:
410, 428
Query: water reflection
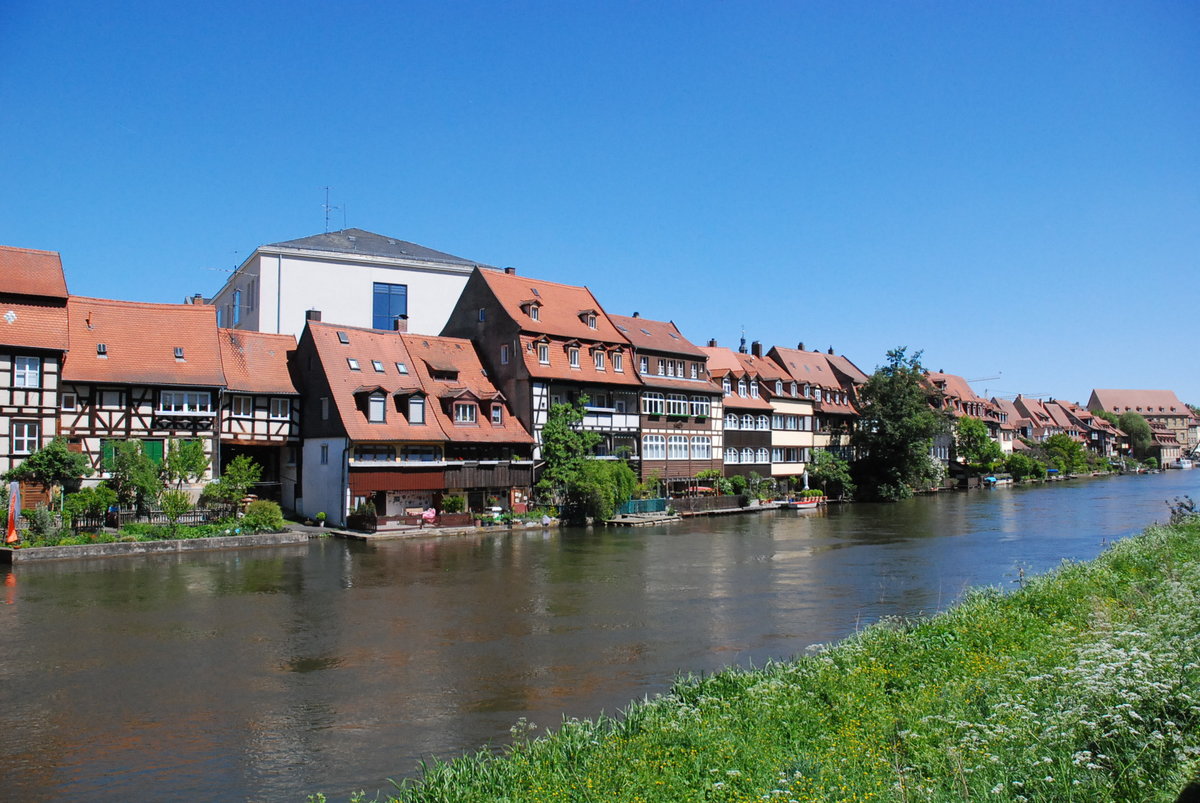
267, 674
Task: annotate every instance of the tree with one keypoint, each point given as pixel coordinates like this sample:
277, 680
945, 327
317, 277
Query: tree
1022, 466
235, 481
174, 503
1067, 454
976, 447
1138, 429
831, 473
566, 447
186, 462
133, 475
1107, 416
896, 430
52, 466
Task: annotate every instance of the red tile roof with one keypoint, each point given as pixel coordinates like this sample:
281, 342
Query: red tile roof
1147, 402
256, 362
560, 367
24, 271
140, 341
660, 336
722, 361
561, 310
32, 325
830, 372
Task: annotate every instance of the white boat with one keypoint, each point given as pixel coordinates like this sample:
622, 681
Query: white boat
804, 503
1181, 462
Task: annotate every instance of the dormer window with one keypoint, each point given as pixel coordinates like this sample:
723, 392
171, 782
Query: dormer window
416, 410
591, 321
618, 362
726, 385
662, 367
573, 356
464, 412
599, 357
742, 387
543, 353
778, 388
533, 310
376, 408
695, 370
644, 364
498, 414
754, 389
793, 390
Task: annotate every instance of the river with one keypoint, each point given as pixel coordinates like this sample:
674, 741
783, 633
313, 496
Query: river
267, 674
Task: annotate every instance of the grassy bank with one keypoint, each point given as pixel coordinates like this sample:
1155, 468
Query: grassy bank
1083, 685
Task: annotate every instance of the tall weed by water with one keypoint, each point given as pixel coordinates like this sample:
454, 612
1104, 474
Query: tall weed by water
1083, 685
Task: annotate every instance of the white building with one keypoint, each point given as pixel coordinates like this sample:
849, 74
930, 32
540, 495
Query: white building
354, 277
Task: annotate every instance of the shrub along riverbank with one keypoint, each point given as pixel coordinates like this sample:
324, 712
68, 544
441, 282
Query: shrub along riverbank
1082, 685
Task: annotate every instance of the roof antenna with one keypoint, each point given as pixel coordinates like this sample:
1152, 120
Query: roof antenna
329, 209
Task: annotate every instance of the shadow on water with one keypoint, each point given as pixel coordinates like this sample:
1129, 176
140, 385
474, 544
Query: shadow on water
268, 674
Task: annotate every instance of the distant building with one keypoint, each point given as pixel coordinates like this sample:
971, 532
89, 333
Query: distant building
747, 430
354, 277
1157, 407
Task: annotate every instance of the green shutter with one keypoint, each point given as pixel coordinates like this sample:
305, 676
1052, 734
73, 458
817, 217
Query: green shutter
107, 450
153, 450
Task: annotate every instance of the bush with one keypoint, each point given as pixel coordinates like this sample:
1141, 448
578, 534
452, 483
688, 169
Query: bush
263, 515
93, 502
453, 504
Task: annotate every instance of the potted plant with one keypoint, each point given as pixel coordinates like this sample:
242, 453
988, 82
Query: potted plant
321, 519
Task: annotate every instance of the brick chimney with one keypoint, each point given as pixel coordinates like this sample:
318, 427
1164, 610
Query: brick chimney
712, 344
756, 348
510, 271
400, 324
800, 346
312, 315
831, 349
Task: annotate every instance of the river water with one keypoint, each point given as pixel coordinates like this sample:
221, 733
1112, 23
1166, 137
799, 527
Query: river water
267, 674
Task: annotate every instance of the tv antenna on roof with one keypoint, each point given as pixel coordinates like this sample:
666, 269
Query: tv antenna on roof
329, 209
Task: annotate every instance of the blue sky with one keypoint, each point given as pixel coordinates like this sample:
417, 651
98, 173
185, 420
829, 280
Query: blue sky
1012, 187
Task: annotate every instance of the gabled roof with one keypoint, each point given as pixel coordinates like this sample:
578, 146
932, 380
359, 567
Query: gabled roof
723, 361
256, 362
811, 367
26, 272
560, 366
1016, 419
365, 243
843, 364
658, 336
1147, 402
954, 386
33, 325
139, 343
559, 313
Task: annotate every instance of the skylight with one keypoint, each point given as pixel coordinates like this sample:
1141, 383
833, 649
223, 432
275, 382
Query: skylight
343, 338
401, 368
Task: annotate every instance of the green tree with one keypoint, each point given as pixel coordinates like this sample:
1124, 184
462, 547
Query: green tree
93, 501
831, 474
133, 475
186, 461
52, 466
976, 447
1022, 466
566, 448
1067, 454
1111, 418
896, 431
235, 481
174, 503
1138, 429
602, 487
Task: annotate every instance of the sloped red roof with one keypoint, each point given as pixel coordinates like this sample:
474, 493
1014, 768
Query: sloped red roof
256, 362
560, 367
561, 307
722, 361
32, 325
660, 336
819, 369
1147, 402
24, 271
140, 341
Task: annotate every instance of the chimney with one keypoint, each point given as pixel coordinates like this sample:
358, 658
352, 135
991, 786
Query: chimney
637, 314
831, 349
400, 324
756, 348
800, 346
510, 271
712, 344
312, 315
196, 299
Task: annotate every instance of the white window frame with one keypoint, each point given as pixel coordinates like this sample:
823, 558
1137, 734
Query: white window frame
754, 388
654, 447
762, 422
732, 421
701, 447
533, 312
662, 367
731, 455
185, 402
677, 447
241, 406
618, 362
653, 404
416, 410
701, 406
27, 372
498, 415
68, 402
591, 321
599, 358
26, 437
695, 370
543, 350
377, 408
747, 421
644, 365
281, 409
762, 455
747, 455
677, 404
573, 356
726, 385
466, 413
742, 388
778, 387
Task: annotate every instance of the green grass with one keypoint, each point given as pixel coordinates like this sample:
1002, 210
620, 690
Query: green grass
1084, 685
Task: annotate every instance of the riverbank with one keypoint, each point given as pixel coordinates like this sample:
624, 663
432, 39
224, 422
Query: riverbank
1084, 684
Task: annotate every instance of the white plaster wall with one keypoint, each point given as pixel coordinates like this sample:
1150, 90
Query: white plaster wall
324, 485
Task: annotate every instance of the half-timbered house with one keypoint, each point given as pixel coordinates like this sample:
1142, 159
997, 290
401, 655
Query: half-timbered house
137, 370
829, 381
401, 421
546, 343
259, 412
681, 413
33, 340
746, 430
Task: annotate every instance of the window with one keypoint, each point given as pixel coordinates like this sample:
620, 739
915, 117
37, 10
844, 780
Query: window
741, 387
776, 455
618, 362
422, 454
242, 406
376, 408
747, 421
464, 413
544, 353
726, 386
591, 321
695, 370
324, 454
677, 447
389, 304
701, 447
401, 368
731, 455
533, 312
377, 365
237, 307
662, 367
416, 410
69, 402
619, 405
644, 364
599, 356
731, 421
792, 421
817, 395
677, 404
653, 404
778, 387
324, 408
761, 455
763, 422
24, 437
747, 455
353, 363
281, 409
777, 421
573, 357
701, 406
793, 390
187, 402
498, 414
754, 389
504, 354
111, 399
27, 372
654, 447
670, 368
375, 451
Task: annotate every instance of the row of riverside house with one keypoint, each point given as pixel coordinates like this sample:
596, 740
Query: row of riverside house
362, 410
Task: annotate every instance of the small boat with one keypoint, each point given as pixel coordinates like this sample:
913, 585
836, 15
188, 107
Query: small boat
1181, 462
804, 503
